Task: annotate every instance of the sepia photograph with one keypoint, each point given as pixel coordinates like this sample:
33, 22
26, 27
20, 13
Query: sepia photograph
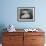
26, 14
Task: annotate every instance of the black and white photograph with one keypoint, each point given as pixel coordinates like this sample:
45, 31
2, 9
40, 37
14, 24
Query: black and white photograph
26, 14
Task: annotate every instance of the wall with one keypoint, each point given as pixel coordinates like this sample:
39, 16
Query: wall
8, 13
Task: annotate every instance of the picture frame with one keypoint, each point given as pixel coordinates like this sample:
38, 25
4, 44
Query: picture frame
26, 14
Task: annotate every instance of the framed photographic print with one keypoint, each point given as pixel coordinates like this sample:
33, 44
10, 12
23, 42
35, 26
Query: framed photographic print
26, 14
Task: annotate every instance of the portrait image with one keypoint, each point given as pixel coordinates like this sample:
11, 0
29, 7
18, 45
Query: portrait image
25, 14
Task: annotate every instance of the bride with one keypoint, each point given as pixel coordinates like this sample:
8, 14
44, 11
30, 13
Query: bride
25, 15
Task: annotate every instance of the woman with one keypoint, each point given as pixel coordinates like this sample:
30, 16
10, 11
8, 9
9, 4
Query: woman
26, 14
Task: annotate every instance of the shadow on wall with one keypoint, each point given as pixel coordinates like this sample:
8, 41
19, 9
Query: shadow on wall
2, 26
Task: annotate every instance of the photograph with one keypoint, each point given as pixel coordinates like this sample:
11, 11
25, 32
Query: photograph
25, 14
